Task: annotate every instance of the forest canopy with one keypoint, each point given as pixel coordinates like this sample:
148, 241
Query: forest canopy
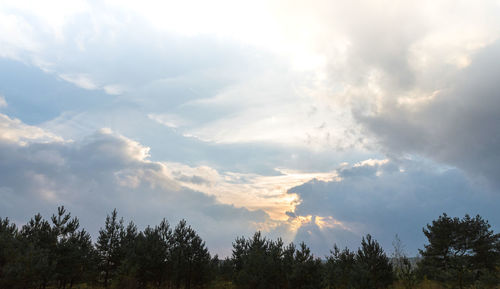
58, 253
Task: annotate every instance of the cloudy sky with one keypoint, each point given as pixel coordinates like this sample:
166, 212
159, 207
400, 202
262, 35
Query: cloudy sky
317, 121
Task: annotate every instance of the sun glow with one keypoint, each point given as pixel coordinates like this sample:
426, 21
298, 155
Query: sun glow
253, 191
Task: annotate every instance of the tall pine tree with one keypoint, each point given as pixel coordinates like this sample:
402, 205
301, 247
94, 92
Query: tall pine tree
109, 248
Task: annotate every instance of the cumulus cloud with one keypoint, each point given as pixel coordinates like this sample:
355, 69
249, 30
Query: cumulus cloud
13, 130
105, 170
101, 172
386, 198
414, 78
458, 126
419, 76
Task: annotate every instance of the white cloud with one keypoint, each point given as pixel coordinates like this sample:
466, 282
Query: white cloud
51, 16
417, 76
107, 170
362, 63
104, 171
82, 80
16, 36
13, 130
168, 120
3, 102
85, 81
114, 89
276, 107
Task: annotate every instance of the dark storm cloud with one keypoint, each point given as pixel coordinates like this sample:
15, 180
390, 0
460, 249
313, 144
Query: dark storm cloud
385, 199
460, 126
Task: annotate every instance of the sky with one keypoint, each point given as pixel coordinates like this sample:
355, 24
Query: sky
316, 121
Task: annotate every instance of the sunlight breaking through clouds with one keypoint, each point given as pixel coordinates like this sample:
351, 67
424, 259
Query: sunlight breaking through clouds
252, 191
127, 163
314, 120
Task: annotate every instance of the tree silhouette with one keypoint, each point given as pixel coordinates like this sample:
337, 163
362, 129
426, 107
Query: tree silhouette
460, 251
109, 247
9, 253
73, 249
306, 269
340, 268
38, 260
374, 267
190, 257
59, 254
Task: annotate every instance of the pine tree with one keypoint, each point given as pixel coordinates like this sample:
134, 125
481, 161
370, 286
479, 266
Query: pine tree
38, 260
190, 258
340, 269
288, 263
277, 275
109, 247
9, 253
127, 276
306, 269
460, 251
152, 257
373, 266
255, 273
71, 250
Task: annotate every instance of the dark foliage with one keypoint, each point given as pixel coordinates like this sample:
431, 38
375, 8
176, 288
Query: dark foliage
461, 252
368, 268
58, 254
262, 263
373, 266
340, 269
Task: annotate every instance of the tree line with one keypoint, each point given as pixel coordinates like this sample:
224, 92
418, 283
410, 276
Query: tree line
57, 253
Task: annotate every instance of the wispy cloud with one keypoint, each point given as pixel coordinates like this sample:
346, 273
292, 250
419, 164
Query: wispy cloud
81, 80
168, 120
249, 190
3, 102
320, 121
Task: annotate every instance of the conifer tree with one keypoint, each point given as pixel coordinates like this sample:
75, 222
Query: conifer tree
306, 270
275, 267
190, 257
373, 266
340, 269
37, 263
109, 247
9, 253
152, 257
460, 251
288, 263
68, 250
128, 269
